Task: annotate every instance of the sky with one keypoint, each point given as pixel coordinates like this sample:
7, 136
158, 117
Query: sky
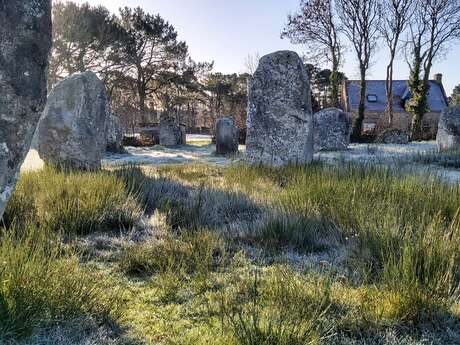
226, 31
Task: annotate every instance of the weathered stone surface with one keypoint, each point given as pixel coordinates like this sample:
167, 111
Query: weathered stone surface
25, 43
227, 136
332, 129
280, 121
183, 134
170, 133
114, 134
72, 130
393, 136
449, 129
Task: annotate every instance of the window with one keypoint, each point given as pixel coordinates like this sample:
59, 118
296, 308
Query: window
368, 127
372, 98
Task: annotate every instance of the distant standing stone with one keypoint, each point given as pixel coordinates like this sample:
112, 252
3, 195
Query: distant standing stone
393, 136
280, 121
25, 43
449, 129
72, 130
332, 129
227, 136
170, 132
114, 134
183, 134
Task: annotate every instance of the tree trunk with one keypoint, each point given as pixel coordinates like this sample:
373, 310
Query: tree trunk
358, 127
334, 80
389, 90
142, 96
141, 92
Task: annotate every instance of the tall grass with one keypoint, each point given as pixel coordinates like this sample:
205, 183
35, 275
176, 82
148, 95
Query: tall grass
424, 271
73, 202
190, 253
401, 234
41, 284
278, 308
404, 229
446, 159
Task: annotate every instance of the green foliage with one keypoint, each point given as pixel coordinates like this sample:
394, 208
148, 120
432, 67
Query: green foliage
228, 95
455, 98
73, 202
417, 105
83, 36
424, 270
40, 283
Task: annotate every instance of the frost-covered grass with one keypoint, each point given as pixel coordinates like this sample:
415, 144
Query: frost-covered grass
241, 255
42, 284
446, 159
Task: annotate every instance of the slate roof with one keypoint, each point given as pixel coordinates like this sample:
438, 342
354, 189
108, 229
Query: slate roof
437, 99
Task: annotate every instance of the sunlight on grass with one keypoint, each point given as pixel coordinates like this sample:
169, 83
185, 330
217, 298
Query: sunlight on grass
218, 267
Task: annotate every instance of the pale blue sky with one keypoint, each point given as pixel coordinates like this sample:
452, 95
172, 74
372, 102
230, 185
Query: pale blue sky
226, 31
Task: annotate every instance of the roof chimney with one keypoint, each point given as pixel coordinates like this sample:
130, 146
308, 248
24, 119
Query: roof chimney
438, 77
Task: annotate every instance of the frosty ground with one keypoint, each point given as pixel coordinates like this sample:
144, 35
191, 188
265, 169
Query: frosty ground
181, 246
200, 150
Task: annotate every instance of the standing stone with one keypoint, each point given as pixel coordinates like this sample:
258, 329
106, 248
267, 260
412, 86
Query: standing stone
280, 121
72, 130
183, 134
332, 129
25, 43
393, 136
227, 136
449, 129
114, 134
170, 133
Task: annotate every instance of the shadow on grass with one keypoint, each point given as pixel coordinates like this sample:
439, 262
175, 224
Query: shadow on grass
234, 214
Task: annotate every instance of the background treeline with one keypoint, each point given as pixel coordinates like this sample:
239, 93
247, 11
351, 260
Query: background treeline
147, 70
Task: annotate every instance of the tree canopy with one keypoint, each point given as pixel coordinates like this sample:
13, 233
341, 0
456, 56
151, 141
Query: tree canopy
147, 69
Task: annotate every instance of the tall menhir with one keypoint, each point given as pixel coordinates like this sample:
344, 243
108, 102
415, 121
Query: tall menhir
280, 120
25, 44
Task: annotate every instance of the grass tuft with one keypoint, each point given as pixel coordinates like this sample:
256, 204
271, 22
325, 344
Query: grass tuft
74, 203
40, 283
189, 253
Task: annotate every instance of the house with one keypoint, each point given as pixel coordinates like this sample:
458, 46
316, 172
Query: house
376, 103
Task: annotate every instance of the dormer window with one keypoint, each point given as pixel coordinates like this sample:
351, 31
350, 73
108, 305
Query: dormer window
372, 98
